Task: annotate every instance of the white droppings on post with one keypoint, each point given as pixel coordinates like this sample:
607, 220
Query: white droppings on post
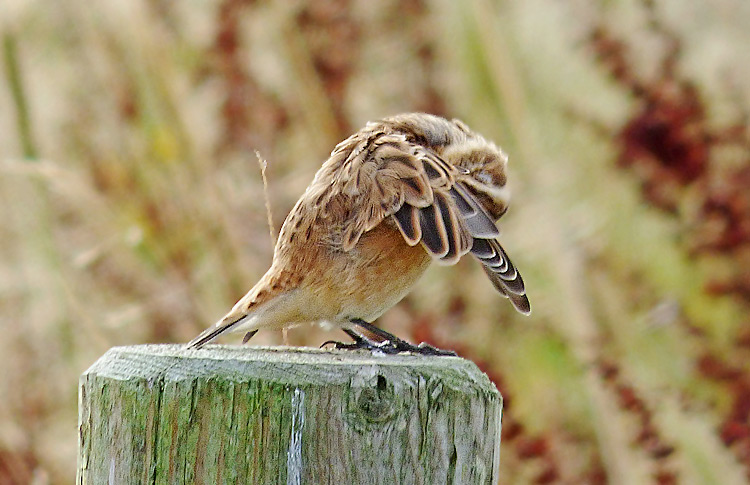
294, 453
111, 478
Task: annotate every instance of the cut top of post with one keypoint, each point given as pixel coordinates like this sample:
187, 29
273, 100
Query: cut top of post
288, 365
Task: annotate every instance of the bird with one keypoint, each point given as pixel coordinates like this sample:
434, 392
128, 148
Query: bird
401, 193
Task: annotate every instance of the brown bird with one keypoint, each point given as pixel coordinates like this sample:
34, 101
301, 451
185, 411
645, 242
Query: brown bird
395, 196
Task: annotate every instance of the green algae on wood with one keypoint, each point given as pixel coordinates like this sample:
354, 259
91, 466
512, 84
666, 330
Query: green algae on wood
225, 414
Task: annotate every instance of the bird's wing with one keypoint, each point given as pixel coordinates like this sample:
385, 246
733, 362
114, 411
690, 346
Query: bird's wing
389, 176
500, 269
392, 177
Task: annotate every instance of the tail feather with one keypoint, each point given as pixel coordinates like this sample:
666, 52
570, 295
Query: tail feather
244, 313
208, 335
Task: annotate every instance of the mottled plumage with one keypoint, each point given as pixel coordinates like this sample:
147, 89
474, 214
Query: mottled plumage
398, 194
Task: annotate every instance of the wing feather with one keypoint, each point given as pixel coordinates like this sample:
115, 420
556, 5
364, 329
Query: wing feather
520, 302
458, 242
499, 264
407, 219
430, 204
434, 235
464, 206
478, 221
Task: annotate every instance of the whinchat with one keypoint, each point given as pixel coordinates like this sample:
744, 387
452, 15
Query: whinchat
393, 197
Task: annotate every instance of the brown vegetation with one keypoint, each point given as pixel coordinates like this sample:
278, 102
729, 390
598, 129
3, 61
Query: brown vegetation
133, 208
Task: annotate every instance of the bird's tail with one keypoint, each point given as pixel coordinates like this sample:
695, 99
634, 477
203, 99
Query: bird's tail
243, 316
226, 324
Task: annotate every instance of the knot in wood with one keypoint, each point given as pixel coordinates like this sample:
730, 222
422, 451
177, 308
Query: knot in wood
376, 403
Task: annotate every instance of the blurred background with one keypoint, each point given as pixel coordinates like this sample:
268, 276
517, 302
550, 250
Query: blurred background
132, 206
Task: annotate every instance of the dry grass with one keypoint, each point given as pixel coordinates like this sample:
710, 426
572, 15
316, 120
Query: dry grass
133, 207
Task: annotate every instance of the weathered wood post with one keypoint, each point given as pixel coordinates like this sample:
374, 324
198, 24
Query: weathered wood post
163, 414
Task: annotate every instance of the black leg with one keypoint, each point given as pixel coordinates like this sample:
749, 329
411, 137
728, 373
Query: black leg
377, 331
398, 344
248, 336
364, 343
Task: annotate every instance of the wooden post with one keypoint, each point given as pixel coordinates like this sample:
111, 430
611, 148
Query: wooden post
225, 414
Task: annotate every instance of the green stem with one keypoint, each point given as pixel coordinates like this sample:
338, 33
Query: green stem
13, 72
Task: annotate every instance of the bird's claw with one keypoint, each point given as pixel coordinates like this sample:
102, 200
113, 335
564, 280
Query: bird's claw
427, 349
390, 347
385, 347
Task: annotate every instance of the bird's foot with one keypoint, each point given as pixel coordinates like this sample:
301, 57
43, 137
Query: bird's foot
393, 345
398, 344
427, 349
363, 343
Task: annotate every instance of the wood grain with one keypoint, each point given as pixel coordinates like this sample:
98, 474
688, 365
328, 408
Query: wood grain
227, 414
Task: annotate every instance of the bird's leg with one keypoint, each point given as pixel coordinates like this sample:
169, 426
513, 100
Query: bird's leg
362, 342
401, 345
248, 336
379, 332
